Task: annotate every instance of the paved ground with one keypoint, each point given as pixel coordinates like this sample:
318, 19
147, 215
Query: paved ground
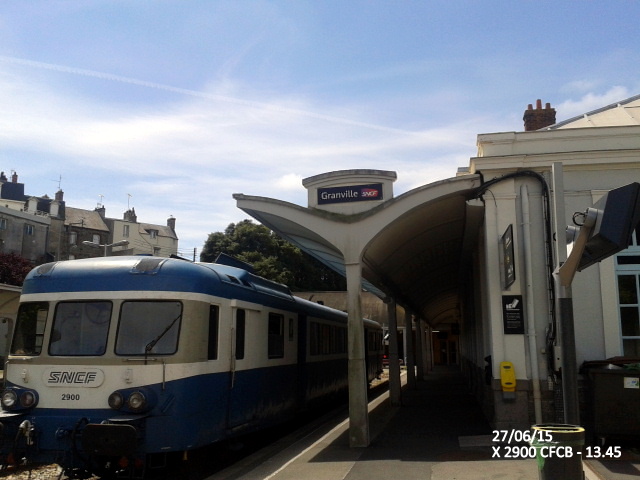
439, 433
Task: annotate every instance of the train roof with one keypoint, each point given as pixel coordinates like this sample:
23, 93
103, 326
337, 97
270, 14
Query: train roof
147, 273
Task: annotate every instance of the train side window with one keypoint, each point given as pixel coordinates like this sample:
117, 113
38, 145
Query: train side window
240, 328
29, 330
276, 335
314, 347
214, 316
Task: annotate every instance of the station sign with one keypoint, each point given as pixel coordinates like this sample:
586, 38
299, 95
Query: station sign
512, 314
508, 265
350, 193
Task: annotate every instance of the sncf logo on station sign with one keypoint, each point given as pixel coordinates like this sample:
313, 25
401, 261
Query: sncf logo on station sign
351, 193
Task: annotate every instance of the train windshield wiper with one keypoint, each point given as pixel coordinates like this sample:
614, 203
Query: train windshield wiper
153, 342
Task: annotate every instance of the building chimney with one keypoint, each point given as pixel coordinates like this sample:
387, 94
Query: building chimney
171, 223
538, 118
14, 178
59, 195
130, 216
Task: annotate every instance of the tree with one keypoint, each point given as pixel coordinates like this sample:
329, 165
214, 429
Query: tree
13, 268
271, 257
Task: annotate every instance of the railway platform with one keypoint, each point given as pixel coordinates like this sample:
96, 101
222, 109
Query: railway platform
438, 433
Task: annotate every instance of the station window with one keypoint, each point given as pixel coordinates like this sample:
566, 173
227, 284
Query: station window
214, 316
240, 329
628, 276
276, 335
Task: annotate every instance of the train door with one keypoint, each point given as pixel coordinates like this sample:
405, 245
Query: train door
239, 398
302, 359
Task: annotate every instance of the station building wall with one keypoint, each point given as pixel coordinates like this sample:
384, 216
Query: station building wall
594, 161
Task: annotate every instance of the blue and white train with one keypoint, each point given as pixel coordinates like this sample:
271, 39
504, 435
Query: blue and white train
115, 362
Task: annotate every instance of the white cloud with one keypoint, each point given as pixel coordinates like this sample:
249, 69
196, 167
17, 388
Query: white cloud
290, 181
591, 101
580, 86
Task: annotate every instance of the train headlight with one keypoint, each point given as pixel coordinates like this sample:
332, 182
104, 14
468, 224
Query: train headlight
116, 400
137, 401
27, 399
9, 399
134, 400
18, 399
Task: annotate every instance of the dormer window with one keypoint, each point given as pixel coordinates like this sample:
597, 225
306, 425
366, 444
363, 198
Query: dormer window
153, 233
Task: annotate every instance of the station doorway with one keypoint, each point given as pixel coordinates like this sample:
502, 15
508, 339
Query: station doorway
445, 347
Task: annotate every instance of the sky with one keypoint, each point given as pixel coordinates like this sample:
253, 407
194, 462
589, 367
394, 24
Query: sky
171, 106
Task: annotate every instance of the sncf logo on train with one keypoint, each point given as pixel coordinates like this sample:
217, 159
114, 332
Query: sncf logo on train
73, 377
350, 193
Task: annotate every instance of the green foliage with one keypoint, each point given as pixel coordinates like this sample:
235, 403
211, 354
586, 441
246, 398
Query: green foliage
271, 257
13, 268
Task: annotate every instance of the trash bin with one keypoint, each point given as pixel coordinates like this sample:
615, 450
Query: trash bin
558, 451
615, 393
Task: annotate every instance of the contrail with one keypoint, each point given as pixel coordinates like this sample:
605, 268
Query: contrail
195, 93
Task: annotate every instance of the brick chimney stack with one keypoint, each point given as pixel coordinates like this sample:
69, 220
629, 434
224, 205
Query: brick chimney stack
130, 216
538, 118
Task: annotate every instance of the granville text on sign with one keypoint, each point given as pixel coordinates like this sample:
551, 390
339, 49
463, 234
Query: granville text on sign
350, 193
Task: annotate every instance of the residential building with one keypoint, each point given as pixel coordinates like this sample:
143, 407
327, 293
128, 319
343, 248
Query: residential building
42, 229
24, 221
144, 238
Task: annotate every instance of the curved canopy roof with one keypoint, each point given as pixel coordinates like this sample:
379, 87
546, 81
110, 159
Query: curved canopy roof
417, 246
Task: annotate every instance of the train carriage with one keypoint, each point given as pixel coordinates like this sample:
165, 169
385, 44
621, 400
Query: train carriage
118, 360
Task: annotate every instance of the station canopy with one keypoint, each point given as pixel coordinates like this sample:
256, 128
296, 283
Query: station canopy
419, 248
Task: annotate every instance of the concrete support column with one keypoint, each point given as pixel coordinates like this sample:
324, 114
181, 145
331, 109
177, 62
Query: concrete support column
358, 402
394, 361
426, 346
428, 337
411, 362
420, 353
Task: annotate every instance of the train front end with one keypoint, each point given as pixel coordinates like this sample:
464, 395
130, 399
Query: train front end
86, 382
